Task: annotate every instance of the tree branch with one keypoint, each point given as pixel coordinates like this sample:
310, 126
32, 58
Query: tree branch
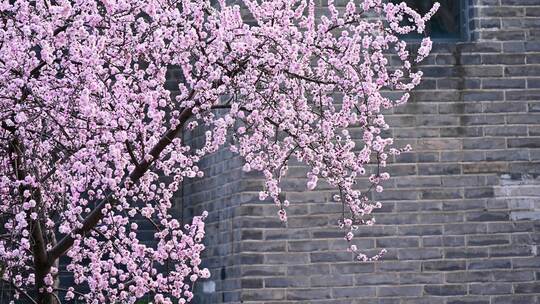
96, 214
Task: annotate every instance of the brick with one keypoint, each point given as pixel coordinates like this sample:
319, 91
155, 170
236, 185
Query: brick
462, 253
416, 133
251, 259
479, 192
513, 276
417, 108
532, 11
534, 106
527, 287
513, 46
486, 240
441, 194
467, 300
482, 47
396, 219
354, 292
444, 265
524, 215
502, 11
439, 71
470, 120
385, 278
468, 276
419, 254
506, 131
524, 142
438, 169
438, 144
393, 266
420, 230
532, 262
251, 283
482, 96
503, 227
437, 120
526, 168
453, 241
368, 301
507, 155
532, 46
405, 206
286, 258
489, 264
414, 182
465, 228
420, 300
402, 170
490, 288
313, 269
503, 35
457, 83
397, 195
285, 234
445, 290
373, 231
460, 181
498, 203
338, 280
487, 216
308, 294
261, 294
461, 132
349, 268
251, 235
285, 282
510, 251
519, 2
264, 270
523, 239
436, 218
421, 278
522, 95
435, 95
484, 143
514, 299
485, 167
317, 257
503, 83
399, 291
307, 246
462, 156
400, 242
524, 70
506, 59
300, 222
267, 246
534, 130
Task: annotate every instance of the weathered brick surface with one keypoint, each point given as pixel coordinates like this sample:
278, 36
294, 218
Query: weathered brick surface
461, 218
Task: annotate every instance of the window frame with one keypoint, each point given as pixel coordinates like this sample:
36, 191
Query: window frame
464, 30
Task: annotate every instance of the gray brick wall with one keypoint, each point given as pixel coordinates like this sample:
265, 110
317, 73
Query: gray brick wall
461, 213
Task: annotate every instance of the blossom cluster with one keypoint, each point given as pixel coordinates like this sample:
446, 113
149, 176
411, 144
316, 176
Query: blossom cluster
91, 144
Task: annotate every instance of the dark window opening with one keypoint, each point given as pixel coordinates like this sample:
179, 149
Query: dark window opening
447, 23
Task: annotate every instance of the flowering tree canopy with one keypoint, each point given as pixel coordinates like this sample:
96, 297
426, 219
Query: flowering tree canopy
88, 130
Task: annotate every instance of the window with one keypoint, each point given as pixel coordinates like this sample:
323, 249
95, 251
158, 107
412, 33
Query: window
448, 22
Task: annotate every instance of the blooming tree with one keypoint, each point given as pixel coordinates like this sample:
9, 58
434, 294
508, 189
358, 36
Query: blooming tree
88, 131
